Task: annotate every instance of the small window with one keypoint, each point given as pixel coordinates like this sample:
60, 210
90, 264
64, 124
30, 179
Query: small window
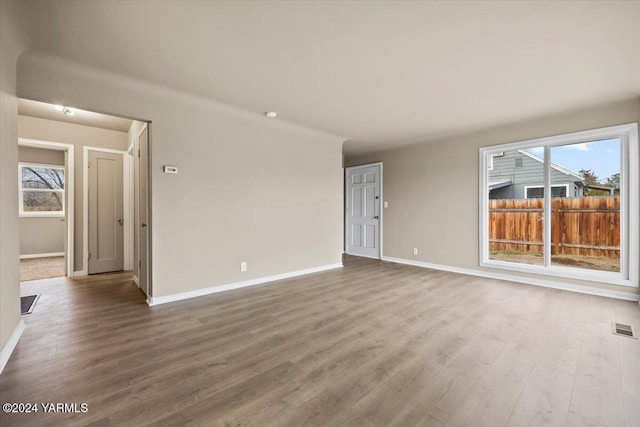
41, 190
537, 192
534, 193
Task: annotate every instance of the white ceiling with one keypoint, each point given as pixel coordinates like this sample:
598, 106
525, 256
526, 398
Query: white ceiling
377, 73
44, 110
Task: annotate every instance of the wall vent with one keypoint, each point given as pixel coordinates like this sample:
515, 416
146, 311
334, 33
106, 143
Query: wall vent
624, 330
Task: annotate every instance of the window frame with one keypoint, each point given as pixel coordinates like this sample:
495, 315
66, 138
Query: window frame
44, 214
629, 206
526, 187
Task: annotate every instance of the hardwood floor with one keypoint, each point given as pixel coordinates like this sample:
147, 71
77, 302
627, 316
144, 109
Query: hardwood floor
373, 344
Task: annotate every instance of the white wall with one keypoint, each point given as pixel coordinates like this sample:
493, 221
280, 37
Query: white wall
249, 188
432, 188
13, 41
79, 136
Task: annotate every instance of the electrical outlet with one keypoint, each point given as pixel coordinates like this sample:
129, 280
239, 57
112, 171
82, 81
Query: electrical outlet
415, 251
386, 204
243, 266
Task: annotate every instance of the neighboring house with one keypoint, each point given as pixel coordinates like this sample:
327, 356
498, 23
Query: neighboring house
519, 174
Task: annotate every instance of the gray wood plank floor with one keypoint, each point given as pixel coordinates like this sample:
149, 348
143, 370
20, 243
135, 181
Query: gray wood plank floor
372, 344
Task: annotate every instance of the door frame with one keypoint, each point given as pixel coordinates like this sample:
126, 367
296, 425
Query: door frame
348, 199
69, 149
148, 177
126, 164
135, 257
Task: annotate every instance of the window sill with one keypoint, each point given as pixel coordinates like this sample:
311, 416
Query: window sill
583, 274
42, 215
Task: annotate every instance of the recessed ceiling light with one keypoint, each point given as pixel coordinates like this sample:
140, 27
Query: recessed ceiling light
271, 114
59, 107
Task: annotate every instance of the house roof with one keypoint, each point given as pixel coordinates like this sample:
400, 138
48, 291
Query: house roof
554, 166
499, 184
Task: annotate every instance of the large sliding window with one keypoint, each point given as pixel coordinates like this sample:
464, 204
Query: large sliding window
564, 206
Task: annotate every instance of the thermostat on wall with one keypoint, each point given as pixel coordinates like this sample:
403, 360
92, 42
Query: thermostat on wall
170, 169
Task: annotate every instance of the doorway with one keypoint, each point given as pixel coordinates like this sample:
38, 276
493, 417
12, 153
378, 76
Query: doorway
46, 209
363, 216
111, 157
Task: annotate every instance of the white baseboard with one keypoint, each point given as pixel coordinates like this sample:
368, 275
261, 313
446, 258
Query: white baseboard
79, 273
513, 278
52, 254
222, 288
136, 281
5, 354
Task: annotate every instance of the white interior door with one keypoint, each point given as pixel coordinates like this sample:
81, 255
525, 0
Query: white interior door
363, 210
106, 212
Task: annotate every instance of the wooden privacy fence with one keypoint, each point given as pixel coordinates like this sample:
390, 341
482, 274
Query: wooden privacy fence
587, 226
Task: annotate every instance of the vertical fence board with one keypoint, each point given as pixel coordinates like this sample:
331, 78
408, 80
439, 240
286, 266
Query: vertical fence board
586, 226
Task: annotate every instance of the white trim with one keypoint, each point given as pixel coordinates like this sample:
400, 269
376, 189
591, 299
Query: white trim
142, 128
519, 279
629, 207
43, 165
130, 256
380, 208
79, 273
85, 198
547, 208
526, 187
8, 348
136, 280
222, 288
103, 150
69, 179
127, 212
136, 220
631, 242
52, 254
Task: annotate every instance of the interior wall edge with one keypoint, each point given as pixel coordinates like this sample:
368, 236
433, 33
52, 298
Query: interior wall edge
11, 344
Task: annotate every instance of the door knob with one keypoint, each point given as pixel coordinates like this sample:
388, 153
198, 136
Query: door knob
62, 219
120, 221
376, 217
143, 225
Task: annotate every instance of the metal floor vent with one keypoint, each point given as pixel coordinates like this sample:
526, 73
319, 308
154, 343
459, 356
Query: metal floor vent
624, 330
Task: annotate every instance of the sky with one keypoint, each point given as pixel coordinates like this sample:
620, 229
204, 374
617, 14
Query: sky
603, 157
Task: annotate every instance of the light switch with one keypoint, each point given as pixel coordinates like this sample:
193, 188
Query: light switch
170, 169
386, 204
